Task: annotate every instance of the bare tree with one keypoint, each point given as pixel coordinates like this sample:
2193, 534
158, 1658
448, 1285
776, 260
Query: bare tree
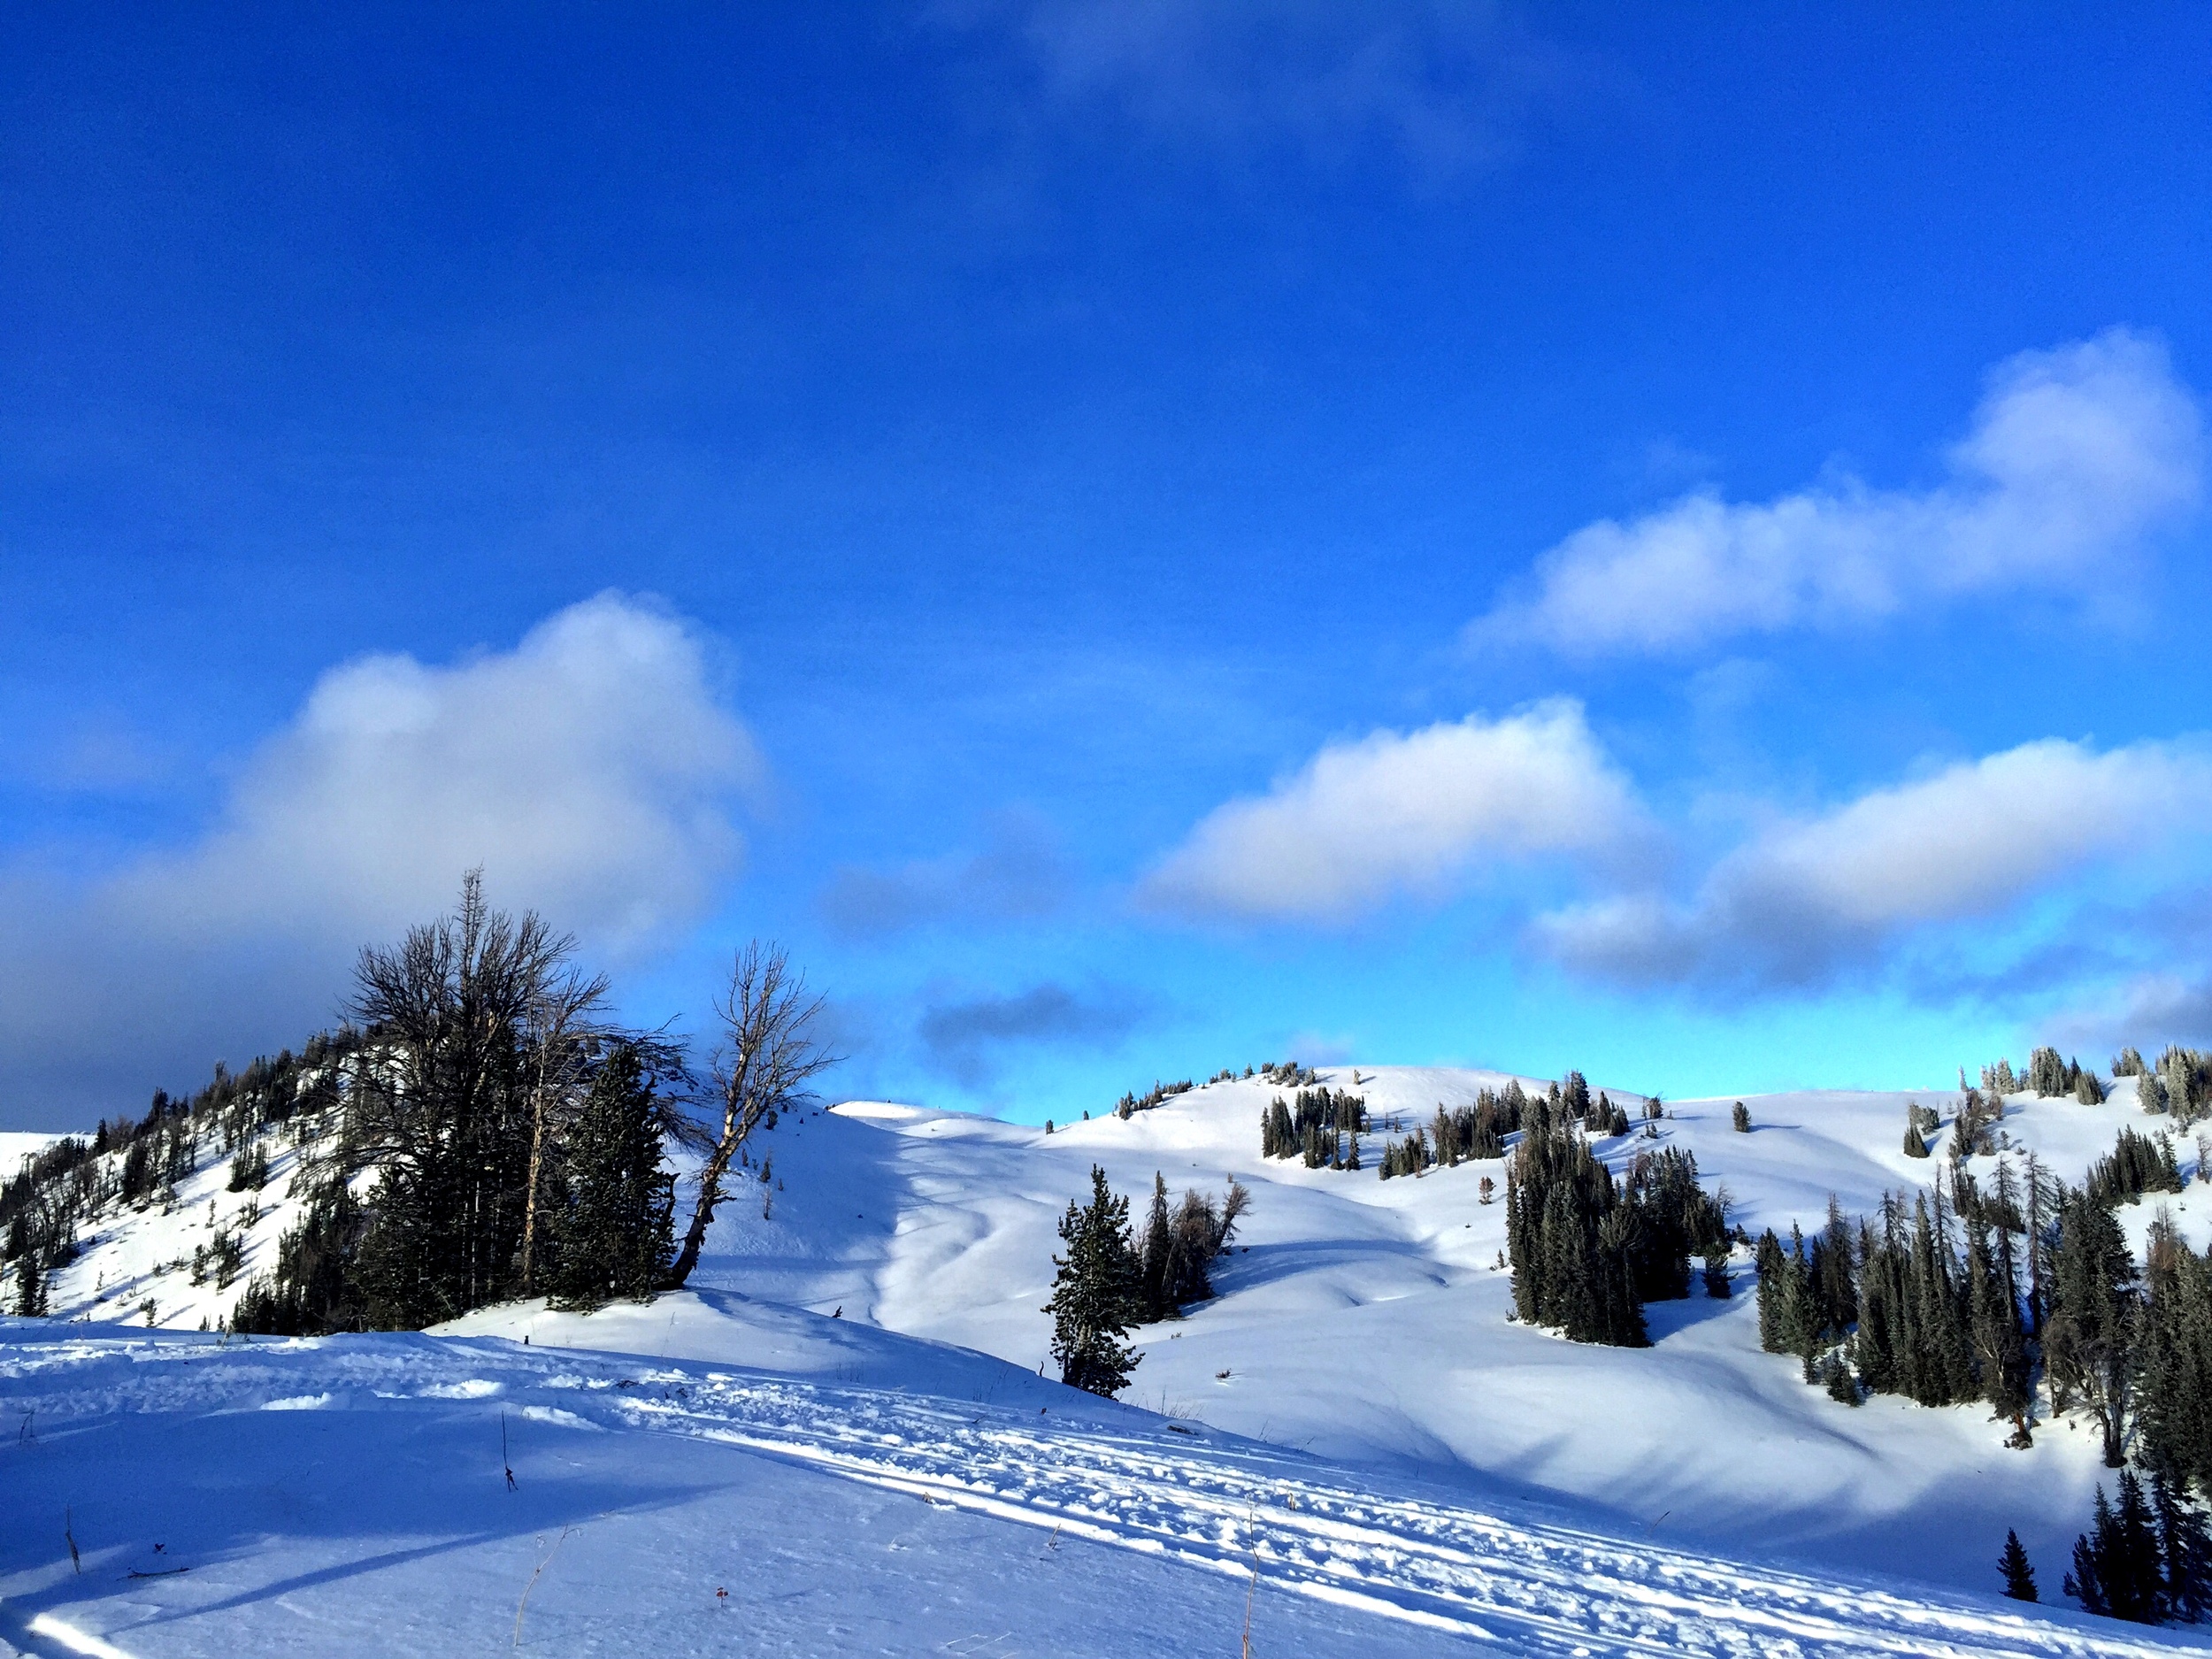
767, 1052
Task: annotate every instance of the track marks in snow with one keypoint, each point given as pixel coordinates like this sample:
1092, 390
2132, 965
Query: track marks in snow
1220, 1505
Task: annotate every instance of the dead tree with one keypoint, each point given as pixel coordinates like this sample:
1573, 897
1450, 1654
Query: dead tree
767, 1052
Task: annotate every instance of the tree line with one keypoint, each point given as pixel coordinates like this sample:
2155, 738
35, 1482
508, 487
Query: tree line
481, 1129
1983, 1291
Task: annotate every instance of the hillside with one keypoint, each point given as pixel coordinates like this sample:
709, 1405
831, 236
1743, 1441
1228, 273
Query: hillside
1357, 1320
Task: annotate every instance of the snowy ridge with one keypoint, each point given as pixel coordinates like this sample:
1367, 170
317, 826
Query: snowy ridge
1106, 1475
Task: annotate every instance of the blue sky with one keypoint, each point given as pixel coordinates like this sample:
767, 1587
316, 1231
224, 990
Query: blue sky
1134, 537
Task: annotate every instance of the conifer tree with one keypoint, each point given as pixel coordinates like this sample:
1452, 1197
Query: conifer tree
1914, 1147
1739, 1116
2090, 1340
2184, 1555
1158, 1243
1097, 1293
30, 1288
614, 1234
2019, 1576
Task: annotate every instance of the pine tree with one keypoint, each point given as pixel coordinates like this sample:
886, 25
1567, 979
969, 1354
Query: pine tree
2184, 1555
1097, 1293
2090, 1340
1836, 1376
615, 1234
1914, 1147
2019, 1576
2118, 1564
1739, 1116
1158, 1244
30, 1288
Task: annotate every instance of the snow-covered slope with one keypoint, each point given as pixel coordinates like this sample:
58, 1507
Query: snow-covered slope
432, 1496
1368, 1320
1361, 1320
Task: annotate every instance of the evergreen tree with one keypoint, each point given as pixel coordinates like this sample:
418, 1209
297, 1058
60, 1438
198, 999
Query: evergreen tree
2174, 1416
1739, 1116
615, 1232
1572, 1242
1159, 1244
1914, 1147
2090, 1340
30, 1288
1097, 1293
1836, 1376
2019, 1576
2184, 1555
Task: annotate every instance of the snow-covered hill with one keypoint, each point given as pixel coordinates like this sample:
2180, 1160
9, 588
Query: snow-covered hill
1360, 1321
432, 1496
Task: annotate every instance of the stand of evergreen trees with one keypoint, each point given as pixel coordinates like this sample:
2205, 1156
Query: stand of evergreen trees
478, 1132
1321, 1126
1587, 1251
1181, 1245
1132, 1102
1973, 1292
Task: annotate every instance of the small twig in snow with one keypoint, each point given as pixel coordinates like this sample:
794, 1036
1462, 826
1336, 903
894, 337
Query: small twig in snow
534, 1572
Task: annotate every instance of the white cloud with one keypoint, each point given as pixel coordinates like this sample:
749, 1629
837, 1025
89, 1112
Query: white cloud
1402, 813
2075, 454
590, 772
1806, 895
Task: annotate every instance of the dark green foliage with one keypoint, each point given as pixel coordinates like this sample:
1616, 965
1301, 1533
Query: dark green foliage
1180, 1247
2090, 1340
1676, 1219
2019, 1576
2174, 1410
1576, 1240
1159, 1236
2118, 1561
250, 1170
1740, 1118
1808, 1297
2185, 1078
1836, 1377
1914, 1147
30, 1288
611, 1217
1715, 1274
2087, 1090
309, 1290
1097, 1294
1131, 1103
2185, 1554
2137, 1164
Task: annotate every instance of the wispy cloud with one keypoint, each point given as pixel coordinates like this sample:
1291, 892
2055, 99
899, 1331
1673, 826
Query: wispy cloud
1445, 86
2074, 456
1807, 897
1018, 874
1401, 813
967, 1038
2148, 1010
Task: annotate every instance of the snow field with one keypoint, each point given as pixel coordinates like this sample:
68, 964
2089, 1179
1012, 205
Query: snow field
349, 1493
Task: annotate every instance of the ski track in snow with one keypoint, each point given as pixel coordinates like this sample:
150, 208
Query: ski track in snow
1202, 1499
